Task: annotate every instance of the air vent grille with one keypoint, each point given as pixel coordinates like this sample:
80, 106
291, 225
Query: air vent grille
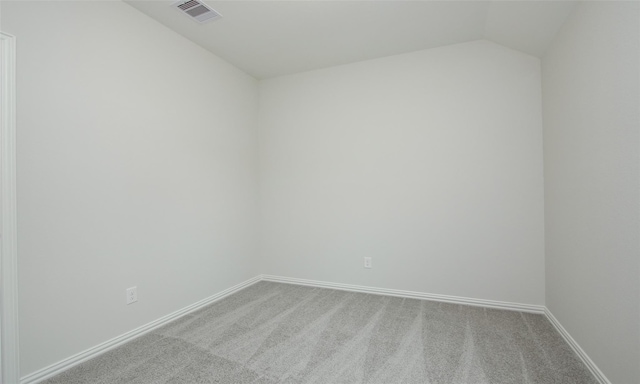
188, 4
197, 11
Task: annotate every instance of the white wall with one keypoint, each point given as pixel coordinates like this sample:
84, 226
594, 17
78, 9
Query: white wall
429, 162
591, 105
136, 166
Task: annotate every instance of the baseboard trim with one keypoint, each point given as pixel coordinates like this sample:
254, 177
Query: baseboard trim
540, 309
595, 371
99, 349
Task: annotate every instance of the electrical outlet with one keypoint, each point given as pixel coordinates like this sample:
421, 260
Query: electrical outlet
132, 295
367, 262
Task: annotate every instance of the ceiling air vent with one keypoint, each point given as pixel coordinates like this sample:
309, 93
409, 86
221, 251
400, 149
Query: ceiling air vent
197, 11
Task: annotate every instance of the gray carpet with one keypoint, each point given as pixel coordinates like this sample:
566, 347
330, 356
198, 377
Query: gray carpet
279, 333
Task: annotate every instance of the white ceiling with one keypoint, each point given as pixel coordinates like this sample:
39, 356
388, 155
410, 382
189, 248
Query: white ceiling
272, 38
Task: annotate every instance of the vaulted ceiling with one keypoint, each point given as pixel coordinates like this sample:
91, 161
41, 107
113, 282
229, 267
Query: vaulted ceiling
272, 38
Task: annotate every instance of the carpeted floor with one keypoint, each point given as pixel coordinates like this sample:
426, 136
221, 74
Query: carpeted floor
281, 333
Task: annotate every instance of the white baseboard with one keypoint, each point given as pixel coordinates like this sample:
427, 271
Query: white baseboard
90, 353
597, 373
410, 294
540, 309
99, 349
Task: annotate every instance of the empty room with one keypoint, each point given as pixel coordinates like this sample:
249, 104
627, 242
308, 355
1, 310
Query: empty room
366, 191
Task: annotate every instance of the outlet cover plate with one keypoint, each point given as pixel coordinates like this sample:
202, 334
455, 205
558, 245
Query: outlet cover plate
132, 295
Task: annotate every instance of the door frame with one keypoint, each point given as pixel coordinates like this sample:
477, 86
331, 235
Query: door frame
9, 354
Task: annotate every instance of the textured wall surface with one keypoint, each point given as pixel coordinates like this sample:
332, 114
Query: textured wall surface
429, 162
591, 105
136, 167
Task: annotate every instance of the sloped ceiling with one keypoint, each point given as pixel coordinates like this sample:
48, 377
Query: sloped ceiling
273, 38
